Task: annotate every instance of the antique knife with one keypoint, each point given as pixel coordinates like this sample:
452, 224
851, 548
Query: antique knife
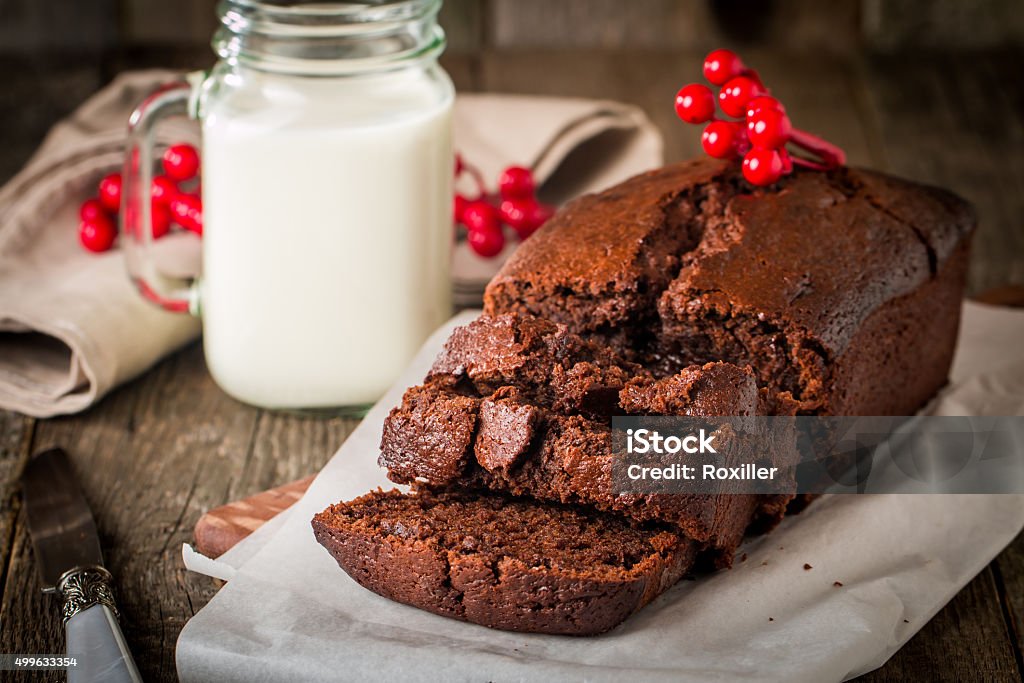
67, 550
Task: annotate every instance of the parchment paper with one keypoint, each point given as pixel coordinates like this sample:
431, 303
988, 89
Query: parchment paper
289, 612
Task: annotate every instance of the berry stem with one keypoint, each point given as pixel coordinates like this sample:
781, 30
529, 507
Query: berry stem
830, 155
478, 177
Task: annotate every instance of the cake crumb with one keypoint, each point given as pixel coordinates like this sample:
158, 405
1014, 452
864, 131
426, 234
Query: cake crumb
764, 563
837, 584
906, 621
743, 557
807, 567
771, 618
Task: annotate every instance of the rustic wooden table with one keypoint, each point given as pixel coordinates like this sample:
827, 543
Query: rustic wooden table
158, 452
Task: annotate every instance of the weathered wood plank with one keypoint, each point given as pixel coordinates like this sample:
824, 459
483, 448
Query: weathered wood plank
151, 458
57, 27
36, 92
1009, 573
168, 23
464, 71
288, 447
938, 124
15, 437
966, 641
30, 619
942, 24
799, 25
463, 23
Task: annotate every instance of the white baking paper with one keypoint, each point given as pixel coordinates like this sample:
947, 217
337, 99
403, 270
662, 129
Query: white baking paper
289, 613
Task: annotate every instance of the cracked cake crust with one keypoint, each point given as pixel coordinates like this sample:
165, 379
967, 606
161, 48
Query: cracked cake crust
785, 279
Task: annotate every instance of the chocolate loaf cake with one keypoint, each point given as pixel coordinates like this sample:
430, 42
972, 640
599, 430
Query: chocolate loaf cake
683, 291
835, 287
504, 563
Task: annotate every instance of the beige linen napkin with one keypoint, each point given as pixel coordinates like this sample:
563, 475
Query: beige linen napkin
71, 325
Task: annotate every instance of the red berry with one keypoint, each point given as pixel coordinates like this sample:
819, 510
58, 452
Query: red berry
513, 212
539, 215
719, 139
520, 215
720, 66
736, 93
160, 215
760, 102
187, 211
768, 128
181, 162
459, 208
110, 192
164, 190
516, 182
97, 234
695, 103
524, 215
762, 166
479, 215
90, 209
161, 220
486, 243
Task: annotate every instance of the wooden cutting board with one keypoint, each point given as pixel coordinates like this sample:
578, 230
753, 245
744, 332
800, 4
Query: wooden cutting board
223, 527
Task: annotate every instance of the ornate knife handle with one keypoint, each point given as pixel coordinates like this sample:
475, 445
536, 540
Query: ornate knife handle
94, 637
82, 587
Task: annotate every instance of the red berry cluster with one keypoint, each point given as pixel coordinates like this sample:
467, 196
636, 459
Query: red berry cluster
171, 203
516, 206
760, 138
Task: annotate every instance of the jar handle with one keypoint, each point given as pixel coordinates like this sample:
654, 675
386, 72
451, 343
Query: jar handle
177, 294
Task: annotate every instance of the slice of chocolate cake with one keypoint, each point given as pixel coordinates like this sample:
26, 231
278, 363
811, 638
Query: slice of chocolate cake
505, 563
541, 359
505, 409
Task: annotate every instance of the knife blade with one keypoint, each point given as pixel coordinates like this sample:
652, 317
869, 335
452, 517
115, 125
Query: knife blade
67, 552
59, 520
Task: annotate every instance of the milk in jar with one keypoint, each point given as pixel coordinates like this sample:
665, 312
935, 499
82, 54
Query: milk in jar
327, 230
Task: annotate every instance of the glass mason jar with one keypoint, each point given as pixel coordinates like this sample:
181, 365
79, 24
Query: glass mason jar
326, 186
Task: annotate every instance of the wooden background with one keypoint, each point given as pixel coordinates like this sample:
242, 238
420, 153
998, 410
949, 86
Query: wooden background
931, 91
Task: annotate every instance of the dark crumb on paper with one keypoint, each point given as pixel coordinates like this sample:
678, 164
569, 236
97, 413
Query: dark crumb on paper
781, 548
764, 563
906, 621
743, 557
838, 584
771, 618
807, 567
